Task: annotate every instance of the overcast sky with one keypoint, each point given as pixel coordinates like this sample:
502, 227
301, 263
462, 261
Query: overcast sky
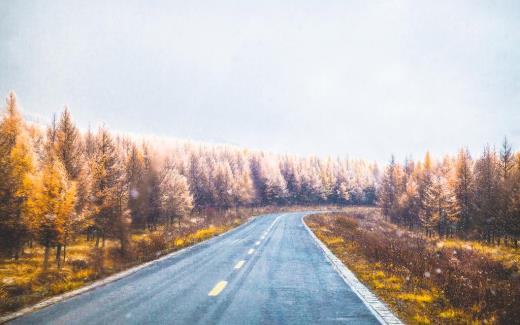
357, 78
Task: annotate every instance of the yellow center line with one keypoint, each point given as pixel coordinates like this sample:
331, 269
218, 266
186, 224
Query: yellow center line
251, 251
217, 289
239, 264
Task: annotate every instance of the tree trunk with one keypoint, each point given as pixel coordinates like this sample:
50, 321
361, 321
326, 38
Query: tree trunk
46, 258
58, 256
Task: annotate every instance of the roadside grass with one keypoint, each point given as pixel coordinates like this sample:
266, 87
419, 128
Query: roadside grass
424, 281
507, 255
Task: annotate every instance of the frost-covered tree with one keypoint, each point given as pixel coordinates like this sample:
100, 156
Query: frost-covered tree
176, 199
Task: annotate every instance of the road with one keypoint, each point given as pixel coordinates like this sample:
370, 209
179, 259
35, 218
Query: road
268, 271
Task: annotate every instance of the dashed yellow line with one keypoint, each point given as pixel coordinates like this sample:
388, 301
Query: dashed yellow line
239, 264
217, 289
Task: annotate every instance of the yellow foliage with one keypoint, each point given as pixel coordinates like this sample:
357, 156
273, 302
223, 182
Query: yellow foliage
448, 314
503, 254
423, 320
423, 297
333, 240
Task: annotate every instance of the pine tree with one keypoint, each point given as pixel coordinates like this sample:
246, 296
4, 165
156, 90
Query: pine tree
424, 188
135, 178
487, 192
152, 191
55, 201
463, 188
16, 180
506, 187
109, 195
176, 199
67, 144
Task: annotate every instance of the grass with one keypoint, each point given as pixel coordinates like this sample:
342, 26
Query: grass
507, 255
424, 281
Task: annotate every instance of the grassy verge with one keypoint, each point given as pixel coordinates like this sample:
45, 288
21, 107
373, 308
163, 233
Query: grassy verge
424, 281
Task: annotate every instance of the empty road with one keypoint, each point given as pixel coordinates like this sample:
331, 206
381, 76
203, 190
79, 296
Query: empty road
268, 271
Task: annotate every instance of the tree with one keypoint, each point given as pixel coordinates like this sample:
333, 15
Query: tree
487, 192
136, 186
463, 187
152, 191
506, 187
440, 202
424, 188
66, 141
16, 180
514, 216
176, 199
109, 193
223, 185
55, 201
391, 190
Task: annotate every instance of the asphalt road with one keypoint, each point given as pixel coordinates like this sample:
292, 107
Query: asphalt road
266, 272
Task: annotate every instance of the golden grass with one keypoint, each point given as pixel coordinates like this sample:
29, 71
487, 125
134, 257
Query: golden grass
504, 254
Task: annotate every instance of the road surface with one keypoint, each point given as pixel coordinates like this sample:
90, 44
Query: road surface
269, 271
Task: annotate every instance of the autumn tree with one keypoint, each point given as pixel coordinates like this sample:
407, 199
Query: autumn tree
487, 191
109, 194
54, 203
176, 199
464, 191
69, 150
16, 180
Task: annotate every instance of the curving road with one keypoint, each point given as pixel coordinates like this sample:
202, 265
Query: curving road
269, 271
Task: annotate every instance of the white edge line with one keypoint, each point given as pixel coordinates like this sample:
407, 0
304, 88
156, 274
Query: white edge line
111, 278
383, 314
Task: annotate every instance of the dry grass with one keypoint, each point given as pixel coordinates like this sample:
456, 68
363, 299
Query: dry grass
424, 281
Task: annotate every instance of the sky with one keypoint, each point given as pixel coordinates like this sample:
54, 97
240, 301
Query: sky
363, 79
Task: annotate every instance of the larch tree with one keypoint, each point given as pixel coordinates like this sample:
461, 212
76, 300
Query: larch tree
506, 187
55, 201
69, 150
463, 187
109, 215
487, 182
424, 189
176, 199
135, 177
16, 180
152, 191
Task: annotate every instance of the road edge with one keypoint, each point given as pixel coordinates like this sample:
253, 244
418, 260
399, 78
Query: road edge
112, 278
381, 311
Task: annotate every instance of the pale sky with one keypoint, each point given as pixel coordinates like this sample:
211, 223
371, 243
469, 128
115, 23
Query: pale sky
357, 78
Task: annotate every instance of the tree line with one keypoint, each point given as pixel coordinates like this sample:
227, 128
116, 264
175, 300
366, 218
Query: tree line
57, 182
471, 198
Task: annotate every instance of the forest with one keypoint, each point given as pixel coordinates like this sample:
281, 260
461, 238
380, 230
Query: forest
457, 196
58, 183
